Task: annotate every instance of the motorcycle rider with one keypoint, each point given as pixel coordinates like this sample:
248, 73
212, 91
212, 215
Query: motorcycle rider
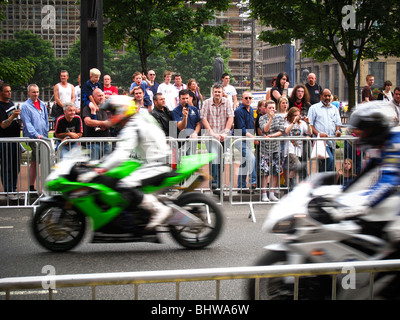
381, 139
140, 135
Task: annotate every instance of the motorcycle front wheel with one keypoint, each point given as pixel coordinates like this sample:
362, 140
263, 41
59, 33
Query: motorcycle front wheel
270, 288
58, 229
279, 288
204, 208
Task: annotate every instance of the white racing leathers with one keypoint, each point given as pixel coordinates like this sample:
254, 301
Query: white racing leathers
141, 137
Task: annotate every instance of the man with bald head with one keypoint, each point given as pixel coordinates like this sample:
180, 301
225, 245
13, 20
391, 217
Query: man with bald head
313, 88
325, 121
97, 128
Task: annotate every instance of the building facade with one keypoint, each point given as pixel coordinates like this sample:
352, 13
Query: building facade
54, 20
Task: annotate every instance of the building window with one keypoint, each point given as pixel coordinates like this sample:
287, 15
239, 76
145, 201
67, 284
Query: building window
377, 69
336, 80
327, 75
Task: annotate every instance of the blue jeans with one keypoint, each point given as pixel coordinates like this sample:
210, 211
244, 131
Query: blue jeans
65, 148
99, 149
213, 147
247, 165
328, 164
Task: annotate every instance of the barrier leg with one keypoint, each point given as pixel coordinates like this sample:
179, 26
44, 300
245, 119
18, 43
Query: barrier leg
252, 215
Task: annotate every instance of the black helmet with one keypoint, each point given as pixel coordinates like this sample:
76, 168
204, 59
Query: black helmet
371, 117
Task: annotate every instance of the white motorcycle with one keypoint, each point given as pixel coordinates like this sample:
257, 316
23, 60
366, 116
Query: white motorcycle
310, 236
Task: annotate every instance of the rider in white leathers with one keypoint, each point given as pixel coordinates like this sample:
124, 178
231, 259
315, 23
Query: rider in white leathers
142, 137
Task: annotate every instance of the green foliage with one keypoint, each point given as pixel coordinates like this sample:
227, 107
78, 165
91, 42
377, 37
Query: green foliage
149, 25
72, 63
196, 61
28, 50
16, 72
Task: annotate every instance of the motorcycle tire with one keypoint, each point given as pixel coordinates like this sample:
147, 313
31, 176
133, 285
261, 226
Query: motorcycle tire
271, 288
310, 288
198, 237
58, 229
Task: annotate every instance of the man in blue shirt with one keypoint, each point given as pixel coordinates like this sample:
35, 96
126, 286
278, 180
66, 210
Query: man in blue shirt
325, 121
187, 118
35, 126
244, 126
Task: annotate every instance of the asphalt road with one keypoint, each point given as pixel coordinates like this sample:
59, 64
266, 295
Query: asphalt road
240, 244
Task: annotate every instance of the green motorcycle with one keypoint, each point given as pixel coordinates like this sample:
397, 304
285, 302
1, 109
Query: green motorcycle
61, 220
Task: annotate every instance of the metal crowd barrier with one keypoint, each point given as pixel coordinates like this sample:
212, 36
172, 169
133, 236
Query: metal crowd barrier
53, 283
228, 161
19, 158
344, 147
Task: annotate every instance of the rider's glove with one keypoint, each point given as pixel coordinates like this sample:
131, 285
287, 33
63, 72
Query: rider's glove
90, 175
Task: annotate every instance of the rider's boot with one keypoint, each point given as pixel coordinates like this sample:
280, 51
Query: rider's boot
159, 212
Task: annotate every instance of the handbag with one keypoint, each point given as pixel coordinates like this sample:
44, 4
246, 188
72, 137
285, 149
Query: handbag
319, 150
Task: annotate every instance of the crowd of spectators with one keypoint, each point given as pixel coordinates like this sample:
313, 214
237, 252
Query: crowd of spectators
182, 112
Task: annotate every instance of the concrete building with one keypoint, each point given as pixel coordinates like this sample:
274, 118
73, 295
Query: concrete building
56, 21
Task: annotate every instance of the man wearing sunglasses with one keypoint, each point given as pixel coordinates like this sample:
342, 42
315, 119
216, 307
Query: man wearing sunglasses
244, 126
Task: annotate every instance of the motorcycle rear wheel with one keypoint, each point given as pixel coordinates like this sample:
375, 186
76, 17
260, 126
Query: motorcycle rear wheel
198, 237
58, 229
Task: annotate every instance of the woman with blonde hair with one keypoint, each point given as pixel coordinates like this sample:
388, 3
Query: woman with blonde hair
283, 106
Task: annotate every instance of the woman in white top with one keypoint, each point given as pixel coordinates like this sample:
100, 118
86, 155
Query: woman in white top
386, 94
295, 126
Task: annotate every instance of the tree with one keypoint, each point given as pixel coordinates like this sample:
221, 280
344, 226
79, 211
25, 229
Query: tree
123, 67
149, 24
16, 72
72, 63
348, 31
197, 63
29, 47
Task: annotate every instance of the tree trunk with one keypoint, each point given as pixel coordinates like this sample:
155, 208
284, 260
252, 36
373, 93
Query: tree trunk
351, 86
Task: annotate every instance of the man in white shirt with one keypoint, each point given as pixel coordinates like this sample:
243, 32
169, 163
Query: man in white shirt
63, 92
178, 86
78, 96
168, 90
229, 91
